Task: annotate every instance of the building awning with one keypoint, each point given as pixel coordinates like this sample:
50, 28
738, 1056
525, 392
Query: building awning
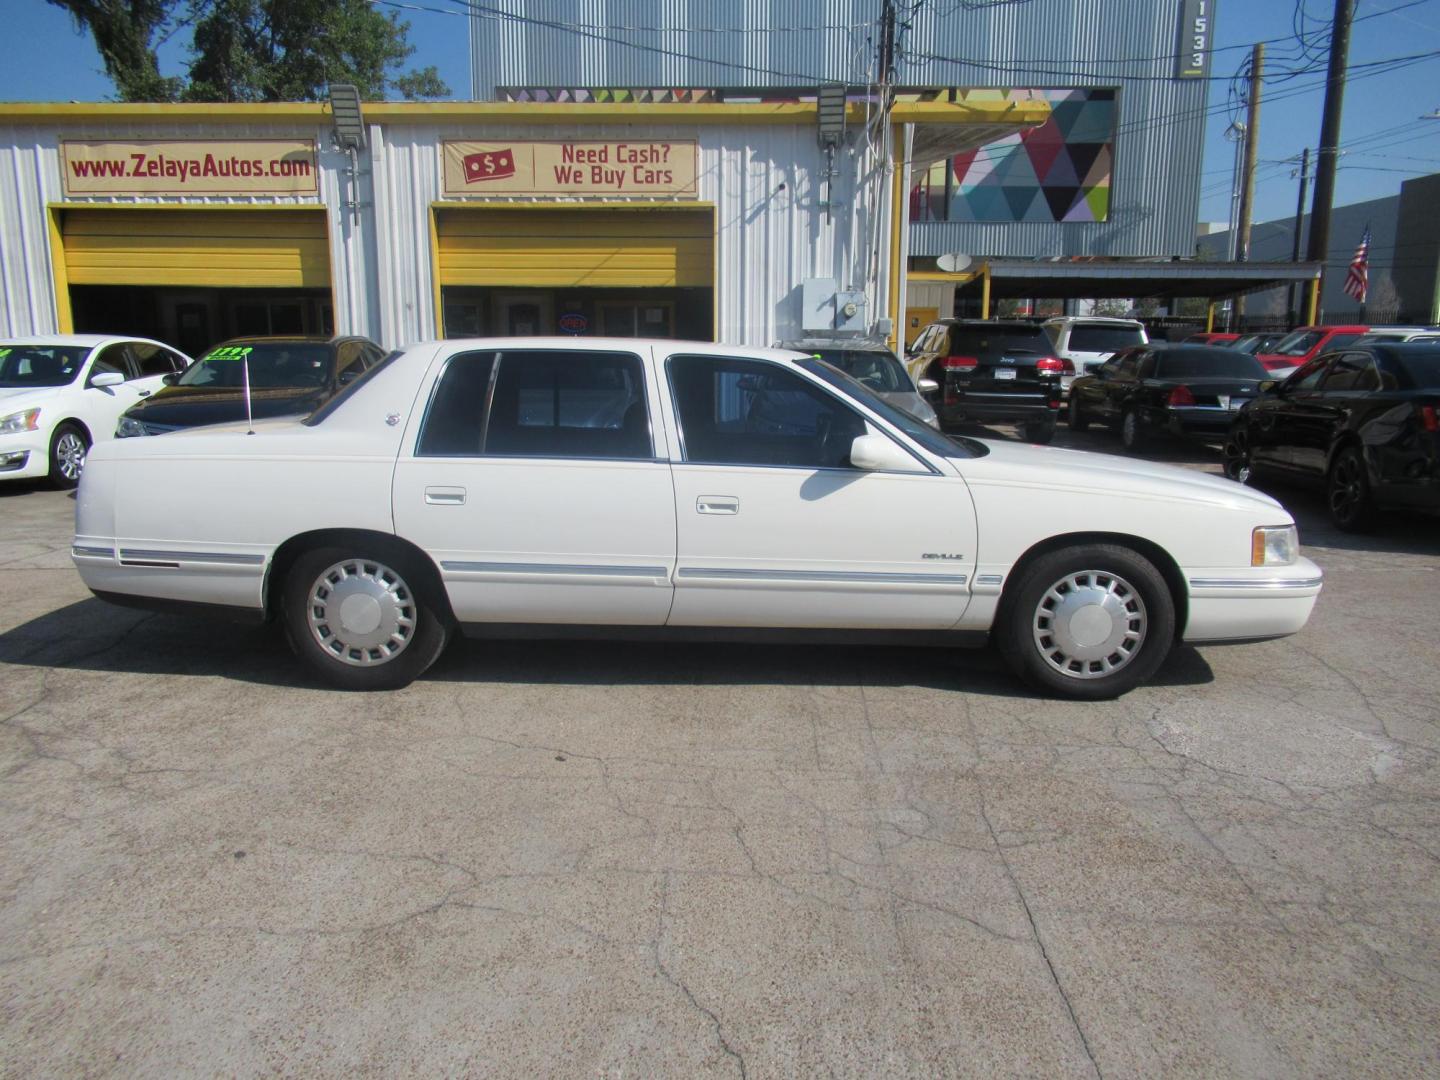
946, 128
1023, 278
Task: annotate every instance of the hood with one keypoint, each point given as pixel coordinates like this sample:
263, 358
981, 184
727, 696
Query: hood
1082, 470
196, 406
18, 398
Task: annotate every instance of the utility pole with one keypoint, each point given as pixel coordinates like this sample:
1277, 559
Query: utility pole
1296, 299
1247, 187
887, 41
1330, 136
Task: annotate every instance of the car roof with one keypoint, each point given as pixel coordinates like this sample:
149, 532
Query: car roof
1093, 320
607, 344
291, 339
88, 341
848, 344
1004, 324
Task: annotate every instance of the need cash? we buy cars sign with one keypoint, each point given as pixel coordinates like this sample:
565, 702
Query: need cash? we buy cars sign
662, 168
190, 167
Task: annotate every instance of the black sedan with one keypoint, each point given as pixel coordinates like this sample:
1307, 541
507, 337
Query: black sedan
1191, 390
1362, 422
287, 377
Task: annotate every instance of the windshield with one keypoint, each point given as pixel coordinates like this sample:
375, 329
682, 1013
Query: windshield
880, 371
273, 364
917, 429
1299, 343
40, 365
1104, 338
1197, 363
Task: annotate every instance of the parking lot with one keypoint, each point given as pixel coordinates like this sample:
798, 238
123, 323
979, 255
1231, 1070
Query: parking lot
582, 859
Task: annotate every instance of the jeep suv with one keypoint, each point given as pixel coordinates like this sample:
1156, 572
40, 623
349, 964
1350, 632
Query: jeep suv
990, 371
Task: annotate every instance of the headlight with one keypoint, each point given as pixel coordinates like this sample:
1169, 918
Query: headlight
130, 427
17, 422
1274, 545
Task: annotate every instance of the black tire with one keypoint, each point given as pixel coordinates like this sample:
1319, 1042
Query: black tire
1125, 586
68, 447
1347, 493
409, 623
1038, 431
1077, 418
1235, 456
1132, 431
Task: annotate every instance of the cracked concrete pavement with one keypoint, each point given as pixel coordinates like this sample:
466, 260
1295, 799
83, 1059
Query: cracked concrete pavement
605, 859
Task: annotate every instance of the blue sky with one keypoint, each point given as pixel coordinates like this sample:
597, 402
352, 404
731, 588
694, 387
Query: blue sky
1386, 140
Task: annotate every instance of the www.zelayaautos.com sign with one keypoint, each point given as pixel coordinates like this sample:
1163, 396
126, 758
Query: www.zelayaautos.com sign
190, 167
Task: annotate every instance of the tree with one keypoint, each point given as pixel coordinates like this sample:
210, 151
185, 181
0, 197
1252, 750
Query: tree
126, 33
289, 50
254, 50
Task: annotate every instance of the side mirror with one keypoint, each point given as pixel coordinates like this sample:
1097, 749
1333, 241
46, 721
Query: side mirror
877, 453
171, 379
1266, 385
928, 386
348, 376
106, 378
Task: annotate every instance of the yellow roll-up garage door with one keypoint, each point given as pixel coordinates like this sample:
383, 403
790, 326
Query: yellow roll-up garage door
576, 248
224, 248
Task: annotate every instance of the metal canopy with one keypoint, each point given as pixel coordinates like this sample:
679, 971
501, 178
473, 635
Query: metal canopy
1022, 278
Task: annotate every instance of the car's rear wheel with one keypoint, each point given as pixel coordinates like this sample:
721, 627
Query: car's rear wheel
1078, 420
1236, 455
1347, 491
1038, 431
1090, 622
1132, 432
68, 447
362, 622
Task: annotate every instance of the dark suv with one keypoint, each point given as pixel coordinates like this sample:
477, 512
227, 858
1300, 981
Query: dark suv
288, 376
991, 372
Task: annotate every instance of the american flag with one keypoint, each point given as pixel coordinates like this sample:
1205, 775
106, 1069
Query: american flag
1357, 281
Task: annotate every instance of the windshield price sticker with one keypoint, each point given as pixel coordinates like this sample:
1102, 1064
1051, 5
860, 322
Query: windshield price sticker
4, 353
231, 352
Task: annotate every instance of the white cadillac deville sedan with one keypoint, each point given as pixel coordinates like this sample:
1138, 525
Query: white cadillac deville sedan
539, 485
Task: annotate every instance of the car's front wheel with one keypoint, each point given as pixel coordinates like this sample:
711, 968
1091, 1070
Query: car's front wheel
362, 622
68, 448
1236, 455
1078, 420
1090, 622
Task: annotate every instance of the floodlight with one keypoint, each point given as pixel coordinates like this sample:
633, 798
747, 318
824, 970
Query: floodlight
830, 113
345, 111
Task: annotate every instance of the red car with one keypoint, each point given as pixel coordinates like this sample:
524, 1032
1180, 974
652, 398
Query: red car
1304, 343
1211, 338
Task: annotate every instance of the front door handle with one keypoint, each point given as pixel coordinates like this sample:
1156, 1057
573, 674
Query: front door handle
445, 496
717, 504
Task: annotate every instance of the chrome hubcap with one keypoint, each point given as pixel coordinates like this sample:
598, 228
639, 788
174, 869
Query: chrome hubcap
1089, 624
1129, 427
361, 612
70, 455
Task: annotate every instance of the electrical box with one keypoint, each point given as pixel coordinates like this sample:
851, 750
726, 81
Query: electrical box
850, 313
817, 296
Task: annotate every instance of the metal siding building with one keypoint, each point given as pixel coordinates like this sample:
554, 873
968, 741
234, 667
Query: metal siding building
757, 172
1125, 44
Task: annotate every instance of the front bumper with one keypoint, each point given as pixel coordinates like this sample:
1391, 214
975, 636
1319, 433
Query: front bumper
25, 456
1253, 603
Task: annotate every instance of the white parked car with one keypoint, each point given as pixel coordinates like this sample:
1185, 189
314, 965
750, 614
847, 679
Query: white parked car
1087, 341
60, 394
503, 485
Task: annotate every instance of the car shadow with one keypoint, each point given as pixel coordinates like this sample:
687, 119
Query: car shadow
1392, 532
90, 635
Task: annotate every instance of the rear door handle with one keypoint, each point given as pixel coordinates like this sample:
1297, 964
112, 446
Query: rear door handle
717, 504
445, 496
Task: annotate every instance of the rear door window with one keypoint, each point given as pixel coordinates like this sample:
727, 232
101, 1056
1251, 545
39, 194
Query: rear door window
153, 360
569, 404
1353, 372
